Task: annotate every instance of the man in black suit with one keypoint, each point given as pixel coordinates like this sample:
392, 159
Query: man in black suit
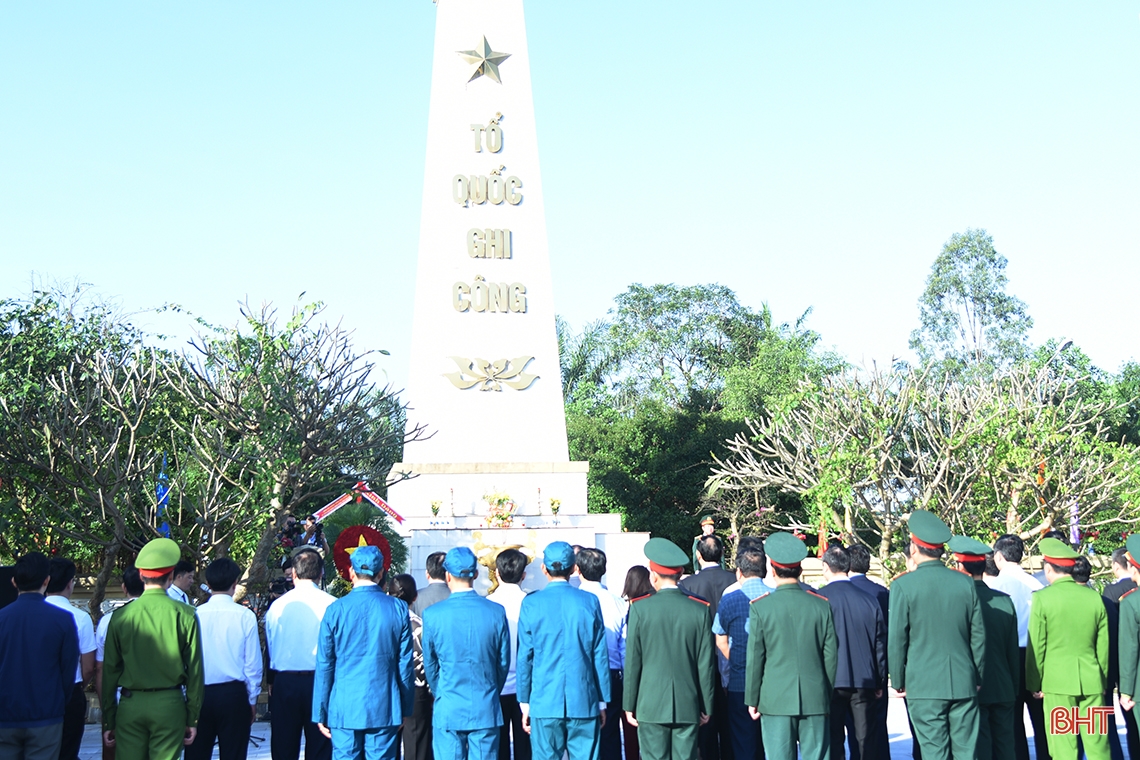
860, 557
709, 584
712, 579
1112, 593
436, 589
861, 677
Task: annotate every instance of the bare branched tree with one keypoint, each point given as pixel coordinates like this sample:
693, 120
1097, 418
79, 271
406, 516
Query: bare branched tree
87, 443
286, 415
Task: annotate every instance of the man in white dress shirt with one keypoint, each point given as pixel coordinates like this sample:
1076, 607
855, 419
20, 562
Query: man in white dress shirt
591, 567
292, 626
132, 589
61, 583
180, 582
1020, 585
231, 663
511, 568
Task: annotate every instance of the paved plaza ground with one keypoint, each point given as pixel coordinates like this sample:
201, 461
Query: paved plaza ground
259, 749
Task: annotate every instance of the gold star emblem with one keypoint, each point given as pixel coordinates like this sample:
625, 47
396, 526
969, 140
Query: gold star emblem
486, 61
351, 549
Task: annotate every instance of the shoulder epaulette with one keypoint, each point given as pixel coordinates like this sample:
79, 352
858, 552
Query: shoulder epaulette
817, 596
1126, 593
760, 597
639, 598
698, 599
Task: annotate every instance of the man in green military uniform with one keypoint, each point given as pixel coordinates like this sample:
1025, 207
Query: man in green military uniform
152, 652
792, 655
936, 645
996, 700
669, 662
1066, 662
1128, 643
708, 527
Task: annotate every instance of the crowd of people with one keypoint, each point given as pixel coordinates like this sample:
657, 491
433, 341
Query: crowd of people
736, 665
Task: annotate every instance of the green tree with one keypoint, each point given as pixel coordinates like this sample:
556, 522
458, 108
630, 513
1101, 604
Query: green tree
676, 343
967, 320
79, 419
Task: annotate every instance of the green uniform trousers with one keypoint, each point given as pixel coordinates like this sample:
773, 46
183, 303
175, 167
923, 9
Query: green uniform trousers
151, 726
1064, 746
782, 734
945, 728
667, 741
996, 731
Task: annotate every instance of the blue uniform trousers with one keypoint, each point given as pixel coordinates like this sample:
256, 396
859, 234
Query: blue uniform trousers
365, 743
476, 744
578, 737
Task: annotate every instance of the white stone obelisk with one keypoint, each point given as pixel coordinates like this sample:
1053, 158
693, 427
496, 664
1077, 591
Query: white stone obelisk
484, 377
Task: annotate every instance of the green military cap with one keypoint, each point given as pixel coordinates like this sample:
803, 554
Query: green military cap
707, 520
1133, 548
1057, 552
927, 530
785, 550
968, 549
158, 558
665, 556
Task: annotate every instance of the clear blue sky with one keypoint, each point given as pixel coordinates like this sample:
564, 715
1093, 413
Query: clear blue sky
804, 154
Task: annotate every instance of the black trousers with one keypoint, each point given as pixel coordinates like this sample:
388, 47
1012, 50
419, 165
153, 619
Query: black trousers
713, 742
290, 715
417, 729
862, 706
74, 716
512, 724
226, 719
1036, 718
610, 748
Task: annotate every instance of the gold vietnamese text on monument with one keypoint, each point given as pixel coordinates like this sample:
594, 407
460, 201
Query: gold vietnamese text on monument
486, 61
491, 376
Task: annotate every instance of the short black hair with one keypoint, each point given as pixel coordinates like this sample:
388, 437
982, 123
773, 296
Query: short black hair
132, 581
308, 565
1062, 569
511, 564
860, 557
562, 572
837, 559
1057, 535
591, 563
222, 574
710, 549
182, 566
924, 551
974, 567
750, 562
1010, 547
62, 571
403, 586
750, 542
991, 566
1082, 569
787, 572
675, 577
31, 571
434, 566
1120, 557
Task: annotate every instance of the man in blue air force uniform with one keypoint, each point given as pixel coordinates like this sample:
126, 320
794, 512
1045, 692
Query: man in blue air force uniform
363, 685
563, 664
467, 655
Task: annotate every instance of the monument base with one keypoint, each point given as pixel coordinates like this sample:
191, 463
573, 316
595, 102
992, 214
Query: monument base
443, 506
